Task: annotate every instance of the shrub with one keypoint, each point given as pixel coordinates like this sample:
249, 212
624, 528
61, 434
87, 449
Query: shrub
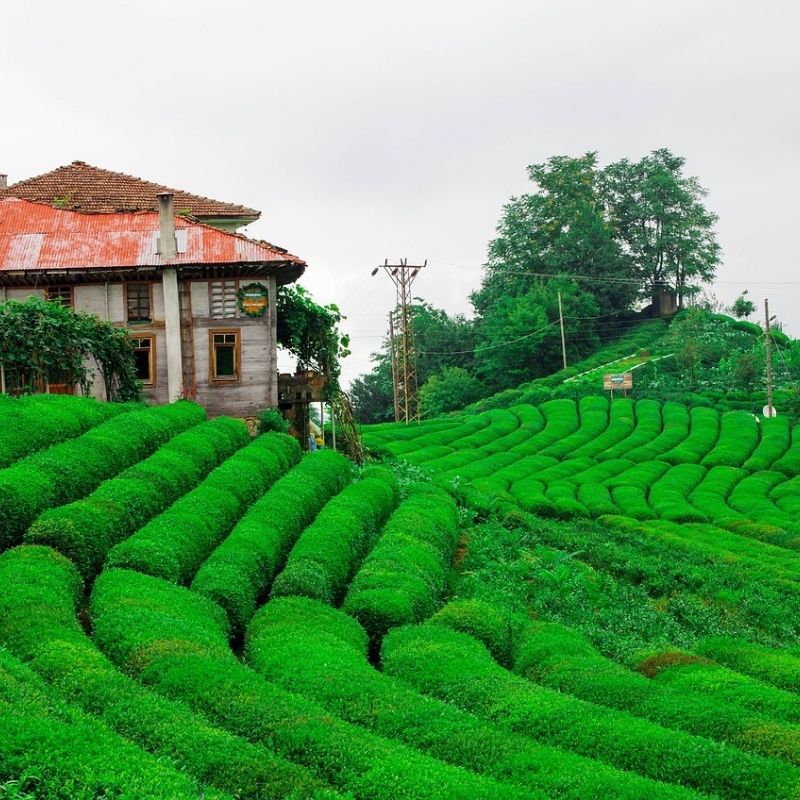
402, 579
271, 420
242, 567
87, 529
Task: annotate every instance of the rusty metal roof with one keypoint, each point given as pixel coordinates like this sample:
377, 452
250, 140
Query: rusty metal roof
35, 237
81, 187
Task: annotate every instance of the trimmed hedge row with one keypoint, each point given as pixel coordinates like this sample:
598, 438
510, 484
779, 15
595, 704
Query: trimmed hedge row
454, 666
324, 557
703, 435
176, 641
698, 676
647, 427
28, 424
621, 424
327, 651
674, 429
738, 438
240, 570
61, 754
174, 544
74, 468
562, 659
38, 623
774, 443
780, 668
86, 530
403, 577
593, 416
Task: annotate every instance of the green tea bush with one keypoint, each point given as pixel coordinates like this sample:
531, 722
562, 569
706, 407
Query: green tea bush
668, 495
778, 667
402, 579
174, 544
74, 468
239, 571
38, 622
621, 424
562, 659
327, 651
328, 551
674, 429
789, 462
176, 642
647, 422
86, 530
31, 423
593, 415
454, 666
738, 438
703, 434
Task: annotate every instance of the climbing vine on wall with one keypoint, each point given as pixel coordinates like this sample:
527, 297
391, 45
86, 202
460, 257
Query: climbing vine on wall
43, 342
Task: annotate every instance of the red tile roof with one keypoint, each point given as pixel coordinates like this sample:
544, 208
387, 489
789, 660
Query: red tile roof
91, 190
37, 237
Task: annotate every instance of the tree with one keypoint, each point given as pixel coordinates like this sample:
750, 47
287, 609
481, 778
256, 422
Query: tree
451, 389
372, 396
561, 229
311, 332
520, 334
743, 306
662, 224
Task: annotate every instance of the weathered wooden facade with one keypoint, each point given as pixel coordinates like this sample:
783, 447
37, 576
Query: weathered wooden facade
199, 301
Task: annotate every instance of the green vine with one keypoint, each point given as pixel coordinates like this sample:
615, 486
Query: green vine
43, 341
311, 333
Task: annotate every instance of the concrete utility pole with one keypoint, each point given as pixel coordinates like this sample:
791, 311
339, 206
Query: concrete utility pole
768, 349
563, 339
404, 356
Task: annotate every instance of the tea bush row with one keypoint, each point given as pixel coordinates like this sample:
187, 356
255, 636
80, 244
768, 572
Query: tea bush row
38, 623
86, 530
74, 468
329, 550
240, 570
327, 651
28, 424
174, 544
61, 754
404, 575
455, 667
176, 642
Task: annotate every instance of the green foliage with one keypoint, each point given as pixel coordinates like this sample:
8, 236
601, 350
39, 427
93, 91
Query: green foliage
325, 555
454, 666
74, 468
270, 419
743, 306
403, 577
241, 568
44, 341
176, 642
448, 390
311, 332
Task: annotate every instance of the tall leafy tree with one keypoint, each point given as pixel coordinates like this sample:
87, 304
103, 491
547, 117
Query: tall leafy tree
662, 223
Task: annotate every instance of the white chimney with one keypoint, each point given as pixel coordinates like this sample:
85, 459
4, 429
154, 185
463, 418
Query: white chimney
3, 181
168, 244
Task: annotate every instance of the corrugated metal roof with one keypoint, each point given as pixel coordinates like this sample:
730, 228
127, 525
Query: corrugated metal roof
39, 237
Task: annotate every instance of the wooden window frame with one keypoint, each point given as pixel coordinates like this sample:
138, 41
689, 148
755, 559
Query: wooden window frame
149, 285
151, 384
70, 302
212, 357
237, 286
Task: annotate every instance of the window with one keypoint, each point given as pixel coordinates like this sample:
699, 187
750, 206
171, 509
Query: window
138, 302
225, 356
59, 294
144, 353
222, 299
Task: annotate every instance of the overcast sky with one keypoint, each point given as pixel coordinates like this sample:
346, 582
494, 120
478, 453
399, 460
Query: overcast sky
373, 130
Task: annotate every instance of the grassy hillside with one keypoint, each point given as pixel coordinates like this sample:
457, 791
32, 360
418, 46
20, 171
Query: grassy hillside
572, 599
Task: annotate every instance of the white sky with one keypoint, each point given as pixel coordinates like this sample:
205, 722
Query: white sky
373, 130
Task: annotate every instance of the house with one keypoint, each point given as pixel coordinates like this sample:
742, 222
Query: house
198, 298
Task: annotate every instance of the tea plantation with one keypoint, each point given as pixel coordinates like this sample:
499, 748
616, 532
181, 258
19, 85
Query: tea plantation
569, 599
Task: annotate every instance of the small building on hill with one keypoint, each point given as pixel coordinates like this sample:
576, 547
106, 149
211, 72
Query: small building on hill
198, 298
